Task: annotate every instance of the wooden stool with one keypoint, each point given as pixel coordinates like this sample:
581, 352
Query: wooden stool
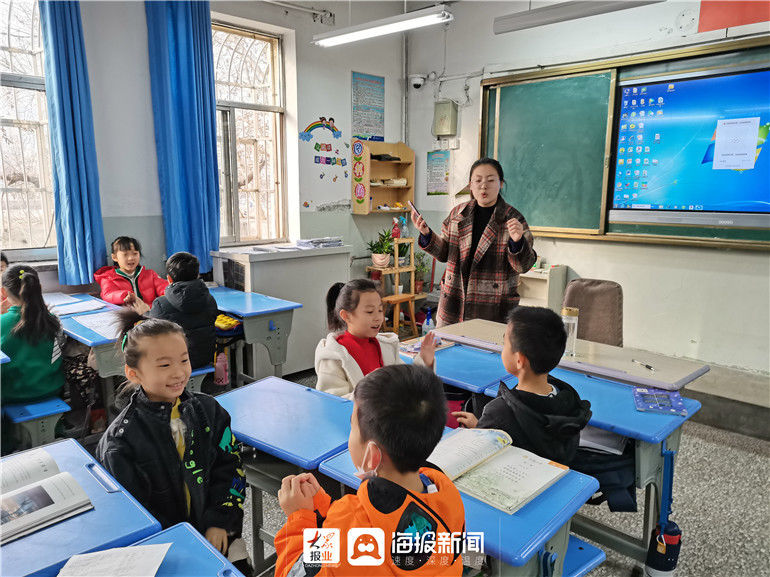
396, 301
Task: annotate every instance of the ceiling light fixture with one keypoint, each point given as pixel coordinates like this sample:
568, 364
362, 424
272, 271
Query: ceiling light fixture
419, 18
562, 12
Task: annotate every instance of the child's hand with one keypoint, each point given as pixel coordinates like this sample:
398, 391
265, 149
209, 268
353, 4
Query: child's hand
218, 538
130, 298
467, 420
428, 349
297, 492
140, 307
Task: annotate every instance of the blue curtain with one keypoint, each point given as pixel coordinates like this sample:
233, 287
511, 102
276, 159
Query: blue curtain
184, 110
78, 217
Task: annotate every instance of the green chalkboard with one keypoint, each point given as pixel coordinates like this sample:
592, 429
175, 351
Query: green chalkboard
551, 138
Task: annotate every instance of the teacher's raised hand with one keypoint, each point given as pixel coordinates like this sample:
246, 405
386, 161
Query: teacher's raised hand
420, 223
515, 229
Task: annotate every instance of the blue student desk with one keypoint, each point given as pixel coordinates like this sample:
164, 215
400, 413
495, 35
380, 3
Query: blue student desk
117, 519
467, 368
190, 555
78, 297
512, 540
265, 319
613, 409
110, 362
4, 358
292, 423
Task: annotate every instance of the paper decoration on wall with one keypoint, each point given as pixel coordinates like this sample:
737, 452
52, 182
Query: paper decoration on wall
368, 106
438, 172
331, 161
322, 122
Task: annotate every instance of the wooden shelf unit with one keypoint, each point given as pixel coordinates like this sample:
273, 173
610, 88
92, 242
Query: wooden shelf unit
409, 296
365, 198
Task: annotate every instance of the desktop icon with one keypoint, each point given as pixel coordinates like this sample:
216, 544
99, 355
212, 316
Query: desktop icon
660, 99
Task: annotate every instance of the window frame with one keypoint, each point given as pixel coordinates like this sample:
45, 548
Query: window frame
229, 155
37, 253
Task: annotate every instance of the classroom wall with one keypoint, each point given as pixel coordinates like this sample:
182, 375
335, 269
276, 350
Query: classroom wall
115, 37
706, 304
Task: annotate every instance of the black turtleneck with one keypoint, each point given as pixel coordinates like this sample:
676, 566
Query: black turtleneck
481, 216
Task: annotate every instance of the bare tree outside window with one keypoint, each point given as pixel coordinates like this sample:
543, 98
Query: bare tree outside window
26, 193
249, 96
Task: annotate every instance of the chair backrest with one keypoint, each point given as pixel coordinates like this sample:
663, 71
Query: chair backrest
601, 309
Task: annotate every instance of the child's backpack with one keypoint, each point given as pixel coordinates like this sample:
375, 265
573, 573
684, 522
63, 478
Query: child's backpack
616, 475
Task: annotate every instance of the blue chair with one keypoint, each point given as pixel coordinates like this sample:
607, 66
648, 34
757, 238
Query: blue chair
196, 378
35, 423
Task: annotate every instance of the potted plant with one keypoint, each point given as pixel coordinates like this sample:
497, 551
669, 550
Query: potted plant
381, 249
420, 270
403, 251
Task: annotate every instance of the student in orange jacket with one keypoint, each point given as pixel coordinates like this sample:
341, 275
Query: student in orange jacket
398, 418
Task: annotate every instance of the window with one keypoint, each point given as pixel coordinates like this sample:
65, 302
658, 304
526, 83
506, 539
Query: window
249, 92
26, 196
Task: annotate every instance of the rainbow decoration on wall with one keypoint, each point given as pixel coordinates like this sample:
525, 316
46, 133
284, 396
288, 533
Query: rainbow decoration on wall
761, 139
322, 122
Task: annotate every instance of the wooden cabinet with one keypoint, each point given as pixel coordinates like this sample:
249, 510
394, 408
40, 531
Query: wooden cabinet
393, 179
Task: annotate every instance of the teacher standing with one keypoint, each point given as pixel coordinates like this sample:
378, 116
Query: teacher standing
486, 244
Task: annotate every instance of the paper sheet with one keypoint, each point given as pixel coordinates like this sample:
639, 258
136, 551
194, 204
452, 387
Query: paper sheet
54, 299
735, 145
104, 324
139, 561
77, 307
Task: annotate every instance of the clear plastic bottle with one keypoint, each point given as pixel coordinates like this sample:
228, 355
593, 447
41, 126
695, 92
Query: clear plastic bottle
428, 324
570, 317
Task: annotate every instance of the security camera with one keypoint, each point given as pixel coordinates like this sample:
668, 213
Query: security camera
417, 80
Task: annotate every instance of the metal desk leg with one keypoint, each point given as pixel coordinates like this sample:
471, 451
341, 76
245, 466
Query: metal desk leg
263, 473
273, 332
553, 554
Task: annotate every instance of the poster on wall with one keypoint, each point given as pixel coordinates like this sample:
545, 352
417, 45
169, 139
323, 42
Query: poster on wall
325, 156
438, 172
368, 106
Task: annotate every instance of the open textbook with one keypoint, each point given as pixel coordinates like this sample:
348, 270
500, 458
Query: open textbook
35, 494
483, 464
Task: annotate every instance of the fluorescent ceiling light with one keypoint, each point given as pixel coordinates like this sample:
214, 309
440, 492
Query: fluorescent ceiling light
562, 12
409, 21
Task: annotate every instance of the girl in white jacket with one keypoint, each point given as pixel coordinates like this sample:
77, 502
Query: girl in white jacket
355, 346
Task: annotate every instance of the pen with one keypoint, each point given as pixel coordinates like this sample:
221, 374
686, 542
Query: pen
645, 365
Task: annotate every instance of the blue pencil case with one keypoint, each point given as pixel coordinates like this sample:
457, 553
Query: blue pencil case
659, 401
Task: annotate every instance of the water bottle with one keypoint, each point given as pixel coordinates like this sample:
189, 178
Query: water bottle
221, 376
428, 325
569, 315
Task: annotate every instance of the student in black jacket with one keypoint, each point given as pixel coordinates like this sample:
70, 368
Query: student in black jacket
171, 449
189, 304
541, 414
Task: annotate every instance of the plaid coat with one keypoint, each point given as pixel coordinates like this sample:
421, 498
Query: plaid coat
494, 272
